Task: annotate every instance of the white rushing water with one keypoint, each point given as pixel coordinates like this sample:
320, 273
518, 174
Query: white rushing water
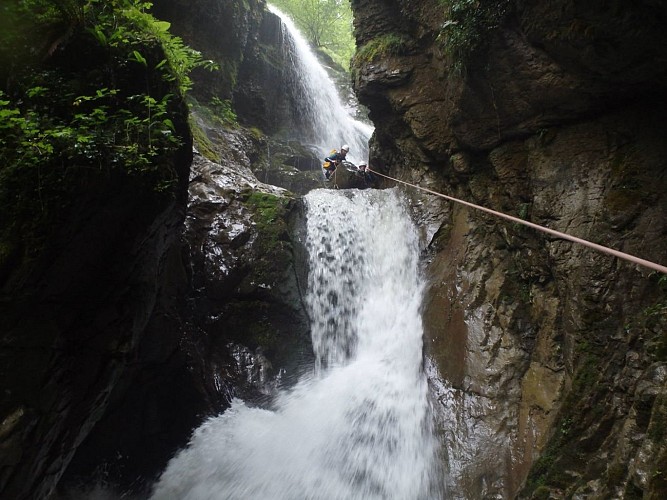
359, 426
320, 105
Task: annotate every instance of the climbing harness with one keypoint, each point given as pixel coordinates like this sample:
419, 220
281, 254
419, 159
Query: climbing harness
558, 234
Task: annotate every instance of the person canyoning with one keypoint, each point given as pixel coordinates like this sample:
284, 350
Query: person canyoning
368, 175
334, 159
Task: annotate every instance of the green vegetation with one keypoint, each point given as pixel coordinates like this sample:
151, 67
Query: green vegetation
88, 90
466, 30
386, 45
564, 450
218, 113
224, 110
272, 246
541, 493
71, 115
268, 210
326, 24
269, 216
203, 143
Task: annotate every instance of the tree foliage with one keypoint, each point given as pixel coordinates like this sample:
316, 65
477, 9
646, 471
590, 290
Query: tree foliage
88, 91
326, 24
49, 112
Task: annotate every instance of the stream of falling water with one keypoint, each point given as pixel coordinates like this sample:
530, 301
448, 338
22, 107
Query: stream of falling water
330, 124
359, 427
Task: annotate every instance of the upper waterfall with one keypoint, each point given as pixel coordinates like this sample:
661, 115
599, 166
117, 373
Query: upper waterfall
328, 123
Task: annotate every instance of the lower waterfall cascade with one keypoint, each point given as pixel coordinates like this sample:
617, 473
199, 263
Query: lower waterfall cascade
359, 425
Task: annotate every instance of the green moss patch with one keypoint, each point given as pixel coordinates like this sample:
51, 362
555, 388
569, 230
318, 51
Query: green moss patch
272, 244
268, 211
203, 143
391, 44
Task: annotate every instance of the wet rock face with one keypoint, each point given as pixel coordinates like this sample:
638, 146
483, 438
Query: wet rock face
229, 323
264, 96
545, 356
74, 309
519, 325
604, 42
244, 278
291, 166
551, 63
221, 31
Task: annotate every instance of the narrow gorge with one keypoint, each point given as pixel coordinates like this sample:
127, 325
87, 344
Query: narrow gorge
186, 313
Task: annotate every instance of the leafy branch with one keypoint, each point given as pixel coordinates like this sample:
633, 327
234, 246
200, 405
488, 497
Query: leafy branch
89, 92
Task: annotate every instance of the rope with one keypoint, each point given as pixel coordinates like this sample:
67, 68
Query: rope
558, 234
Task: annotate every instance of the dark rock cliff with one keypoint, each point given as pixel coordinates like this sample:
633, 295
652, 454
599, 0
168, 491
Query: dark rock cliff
228, 320
124, 328
228, 323
224, 32
77, 293
552, 356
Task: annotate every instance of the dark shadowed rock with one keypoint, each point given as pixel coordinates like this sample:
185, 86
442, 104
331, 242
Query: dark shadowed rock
222, 31
74, 308
229, 323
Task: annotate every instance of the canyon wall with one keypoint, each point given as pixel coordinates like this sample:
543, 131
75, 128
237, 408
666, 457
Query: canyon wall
547, 360
82, 262
150, 300
228, 321
552, 356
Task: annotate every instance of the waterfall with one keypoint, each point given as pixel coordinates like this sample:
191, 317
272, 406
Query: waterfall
328, 124
359, 426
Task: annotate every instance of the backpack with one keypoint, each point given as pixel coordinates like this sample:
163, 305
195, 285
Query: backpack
327, 164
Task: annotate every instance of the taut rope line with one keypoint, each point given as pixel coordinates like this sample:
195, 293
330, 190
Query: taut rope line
589, 244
